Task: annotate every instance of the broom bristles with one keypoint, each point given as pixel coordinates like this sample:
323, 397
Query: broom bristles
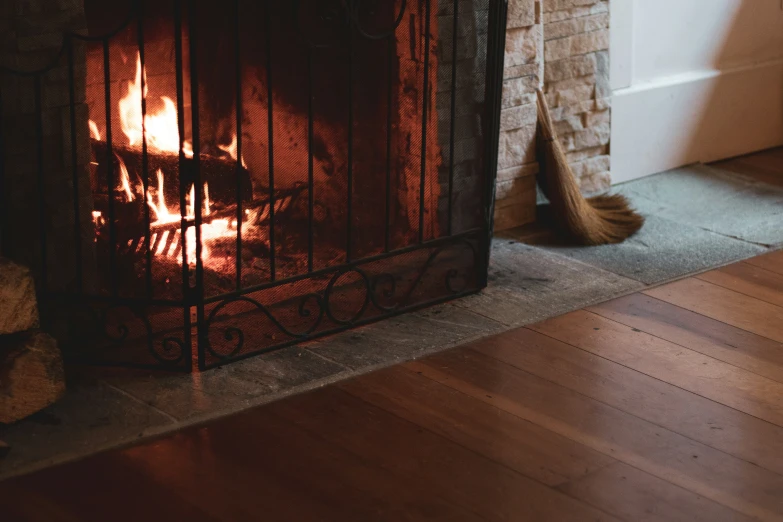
599, 220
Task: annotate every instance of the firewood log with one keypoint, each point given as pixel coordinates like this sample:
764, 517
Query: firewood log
18, 304
4, 449
31, 375
220, 173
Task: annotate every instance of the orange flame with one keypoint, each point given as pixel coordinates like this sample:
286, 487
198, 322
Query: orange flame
162, 134
94, 132
160, 128
159, 208
232, 149
124, 178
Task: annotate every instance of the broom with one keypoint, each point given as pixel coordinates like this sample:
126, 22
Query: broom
598, 220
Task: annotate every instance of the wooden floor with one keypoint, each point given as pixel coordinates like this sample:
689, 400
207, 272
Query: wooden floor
663, 405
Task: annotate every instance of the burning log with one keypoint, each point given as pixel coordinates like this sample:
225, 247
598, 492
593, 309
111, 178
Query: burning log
219, 173
166, 237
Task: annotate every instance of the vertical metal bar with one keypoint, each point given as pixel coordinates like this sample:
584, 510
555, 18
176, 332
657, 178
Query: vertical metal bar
196, 162
5, 243
39, 152
239, 116
454, 42
270, 123
390, 71
144, 155
181, 130
424, 116
198, 291
186, 299
310, 180
349, 223
493, 88
110, 169
77, 221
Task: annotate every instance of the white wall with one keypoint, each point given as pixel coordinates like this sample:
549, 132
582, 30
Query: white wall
694, 80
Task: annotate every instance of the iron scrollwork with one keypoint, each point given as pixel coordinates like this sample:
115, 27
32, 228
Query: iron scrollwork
378, 291
109, 327
236, 336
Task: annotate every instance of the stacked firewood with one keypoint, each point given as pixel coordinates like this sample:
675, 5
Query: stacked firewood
31, 367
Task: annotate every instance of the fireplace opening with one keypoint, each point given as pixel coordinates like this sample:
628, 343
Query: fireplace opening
230, 178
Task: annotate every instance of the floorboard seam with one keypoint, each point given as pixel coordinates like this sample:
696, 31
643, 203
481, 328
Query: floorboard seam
682, 345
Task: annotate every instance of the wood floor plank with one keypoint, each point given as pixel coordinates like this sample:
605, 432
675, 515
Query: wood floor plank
680, 411
243, 468
669, 362
631, 494
89, 495
639, 443
724, 342
749, 280
429, 462
308, 478
518, 444
765, 166
772, 261
724, 305
21, 504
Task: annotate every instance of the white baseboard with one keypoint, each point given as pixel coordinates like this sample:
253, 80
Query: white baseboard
696, 117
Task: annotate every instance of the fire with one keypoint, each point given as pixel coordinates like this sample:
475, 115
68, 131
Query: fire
159, 208
232, 149
124, 179
161, 130
94, 132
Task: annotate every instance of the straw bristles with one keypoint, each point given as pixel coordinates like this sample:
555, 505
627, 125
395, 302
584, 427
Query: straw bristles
598, 220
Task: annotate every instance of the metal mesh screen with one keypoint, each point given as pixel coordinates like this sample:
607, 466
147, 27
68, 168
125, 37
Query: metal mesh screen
240, 176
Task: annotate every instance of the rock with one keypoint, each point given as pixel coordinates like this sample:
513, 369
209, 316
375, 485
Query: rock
576, 45
597, 118
572, 26
559, 5
572, 67
18, 303
518, 117
517, 147
522, 45
519, 91
31, 375
521, 13
517, 71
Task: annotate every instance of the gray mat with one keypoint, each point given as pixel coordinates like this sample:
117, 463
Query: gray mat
714, 200
663, 250
528, 284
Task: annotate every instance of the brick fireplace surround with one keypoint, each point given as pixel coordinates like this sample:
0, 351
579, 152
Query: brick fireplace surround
562, 46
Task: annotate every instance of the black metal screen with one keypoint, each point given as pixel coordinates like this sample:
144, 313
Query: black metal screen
196, 181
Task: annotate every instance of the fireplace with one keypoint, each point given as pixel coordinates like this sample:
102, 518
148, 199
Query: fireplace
195, 182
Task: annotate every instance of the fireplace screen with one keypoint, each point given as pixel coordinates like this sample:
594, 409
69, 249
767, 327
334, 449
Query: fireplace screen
195, 182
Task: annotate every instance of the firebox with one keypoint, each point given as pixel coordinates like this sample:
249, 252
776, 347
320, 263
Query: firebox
195, 182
